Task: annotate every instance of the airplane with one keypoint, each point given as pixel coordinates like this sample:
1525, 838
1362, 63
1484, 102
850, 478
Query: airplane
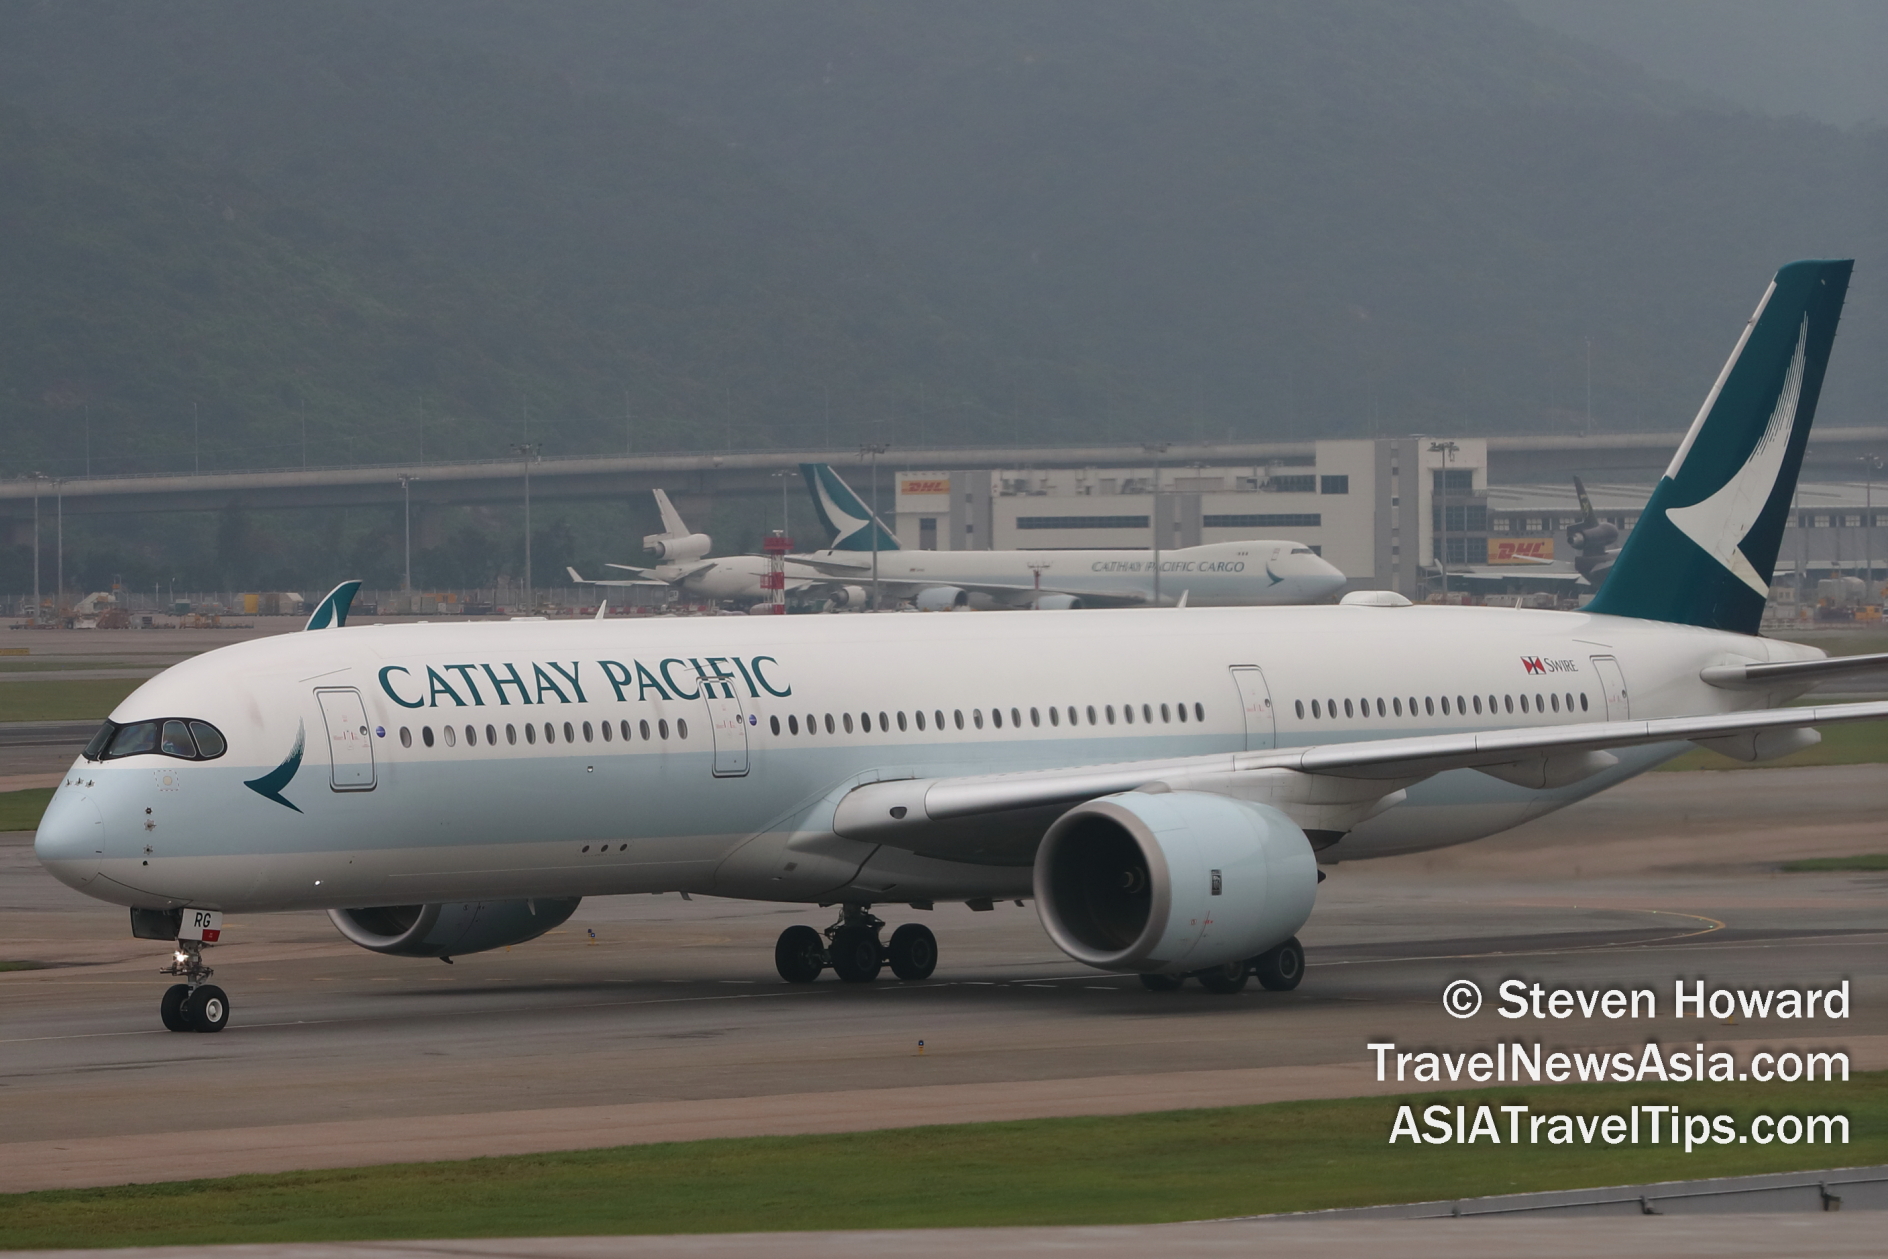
1592, 539
1169, 787
685, 567
1218, 574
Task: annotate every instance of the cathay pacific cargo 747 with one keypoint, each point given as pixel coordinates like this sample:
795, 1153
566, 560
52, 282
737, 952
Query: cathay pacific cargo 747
1255, 573
1163, 783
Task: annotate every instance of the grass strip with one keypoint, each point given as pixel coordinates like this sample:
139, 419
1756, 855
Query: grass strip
21, 810
73, 699
1173, 1165
1866, 861
5, 965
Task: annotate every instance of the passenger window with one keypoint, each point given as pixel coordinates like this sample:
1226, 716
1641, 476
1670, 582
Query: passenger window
550, 733
1445, 705
1181, 709
1164, 715
1199, 712
996, 717
1380, 709
1075, 718
793, 724
1035, 717
451, 738
1055, 716
1540, 707
901, 721
471, 736
570, 735
958, 715
406, 737
662, 727
865, 722
1110, 711
642, 728
918, 716
1429, 706
1127, 713
530, 733
1016, 718
830, 727
586, 732
1510, 703
1147, 713
1396, 705
177, 741
1315, 709
681, 728
1582, 701
1348, 712
1524, 703
937, 718
885, 724
426, 735
1091, 716
773, 724
976, 716
1478, 704
1555, 701
845, 719
603, 728
491, 735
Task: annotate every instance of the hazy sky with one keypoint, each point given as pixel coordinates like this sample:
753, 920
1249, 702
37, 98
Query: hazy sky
1827, 59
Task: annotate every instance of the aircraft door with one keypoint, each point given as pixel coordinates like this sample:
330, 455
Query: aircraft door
350, 745
727, 724
1612, 688
1255, 700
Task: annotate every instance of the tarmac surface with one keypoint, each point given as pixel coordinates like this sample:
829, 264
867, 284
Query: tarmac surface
655, 1018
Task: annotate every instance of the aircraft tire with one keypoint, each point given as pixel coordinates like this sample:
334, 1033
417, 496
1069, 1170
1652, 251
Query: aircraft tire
1226, 979
798, 955
1281, 968
856, 957
1162, 983
913, 952
171, 1008
207, 1008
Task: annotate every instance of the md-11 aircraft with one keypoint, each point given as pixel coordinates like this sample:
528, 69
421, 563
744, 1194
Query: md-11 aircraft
1164, 784
1258, 572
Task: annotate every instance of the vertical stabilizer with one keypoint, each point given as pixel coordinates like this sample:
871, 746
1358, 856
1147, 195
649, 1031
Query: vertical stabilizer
840, 510
1705, 547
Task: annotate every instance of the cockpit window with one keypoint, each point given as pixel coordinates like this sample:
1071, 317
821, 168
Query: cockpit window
1302, 550
179, 737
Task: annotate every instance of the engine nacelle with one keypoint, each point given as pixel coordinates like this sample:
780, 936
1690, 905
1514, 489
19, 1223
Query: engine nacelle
941, 599
1056, 603
453, 928
1172, 882
679, 549
850, 597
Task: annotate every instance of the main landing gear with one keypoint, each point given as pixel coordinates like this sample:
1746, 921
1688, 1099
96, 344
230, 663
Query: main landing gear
851, 947
193, 1006
1278, 968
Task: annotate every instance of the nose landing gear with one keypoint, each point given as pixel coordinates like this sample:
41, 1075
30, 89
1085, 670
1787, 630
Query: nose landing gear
853, 950
192, 1006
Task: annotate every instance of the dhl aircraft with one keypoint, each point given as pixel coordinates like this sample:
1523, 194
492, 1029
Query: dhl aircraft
1162, 783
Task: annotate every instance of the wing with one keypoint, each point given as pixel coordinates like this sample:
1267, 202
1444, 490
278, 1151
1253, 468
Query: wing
1791, 674
614, 581
1327, 788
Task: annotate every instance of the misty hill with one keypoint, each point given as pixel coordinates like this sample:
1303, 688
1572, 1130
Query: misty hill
1276, 217
265, 211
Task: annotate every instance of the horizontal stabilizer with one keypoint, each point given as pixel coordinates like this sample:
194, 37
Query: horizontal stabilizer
1791, 673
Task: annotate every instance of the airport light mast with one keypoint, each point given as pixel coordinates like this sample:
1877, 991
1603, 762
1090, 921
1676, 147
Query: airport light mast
874, 450
406, 515
527, 451
1156, 449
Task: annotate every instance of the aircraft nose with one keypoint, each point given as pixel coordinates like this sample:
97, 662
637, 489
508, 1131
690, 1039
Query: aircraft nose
71, 837
1328, 578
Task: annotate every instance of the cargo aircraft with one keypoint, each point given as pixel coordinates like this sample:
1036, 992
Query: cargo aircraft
1163, 783
1253, 573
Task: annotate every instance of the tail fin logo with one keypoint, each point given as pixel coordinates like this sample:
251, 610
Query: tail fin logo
1719, 524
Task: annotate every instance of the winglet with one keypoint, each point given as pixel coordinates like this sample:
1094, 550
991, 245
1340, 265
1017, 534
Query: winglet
331, 612
574, 576
603, 609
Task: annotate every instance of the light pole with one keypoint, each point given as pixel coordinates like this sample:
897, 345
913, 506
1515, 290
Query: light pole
37, 478
785, 477
59, 553
1871, 464
874, 449
406, 512
1447, 450
527, 451
1156, 449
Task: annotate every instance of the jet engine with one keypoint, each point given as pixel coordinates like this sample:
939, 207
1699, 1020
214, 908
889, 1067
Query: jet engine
850, 597
679, 550
941, 599
1172, 882
453, 928
1056, 603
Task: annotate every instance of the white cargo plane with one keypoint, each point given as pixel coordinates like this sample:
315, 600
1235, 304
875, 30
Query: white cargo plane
1162, 783
684, 566
1252, 573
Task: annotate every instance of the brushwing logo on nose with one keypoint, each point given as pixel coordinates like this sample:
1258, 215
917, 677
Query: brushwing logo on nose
270, 785
1720, 523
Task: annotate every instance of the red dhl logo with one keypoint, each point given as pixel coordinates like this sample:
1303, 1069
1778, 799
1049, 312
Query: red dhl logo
932, 485
1518, 550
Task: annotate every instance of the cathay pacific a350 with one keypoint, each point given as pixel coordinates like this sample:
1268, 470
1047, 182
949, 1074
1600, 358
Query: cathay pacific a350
1162, 784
